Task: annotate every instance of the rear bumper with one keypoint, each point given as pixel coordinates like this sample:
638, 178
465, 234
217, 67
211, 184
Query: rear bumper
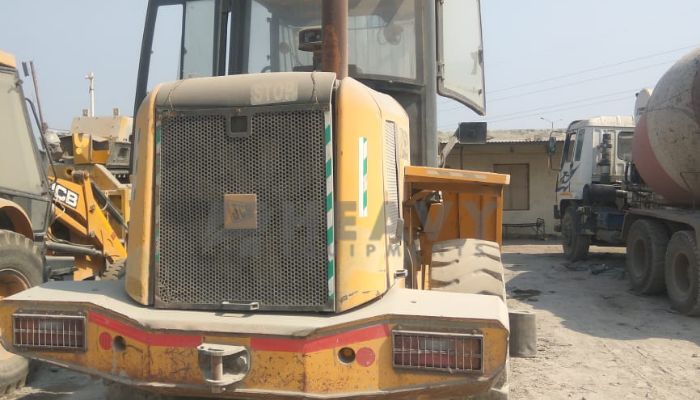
289, 355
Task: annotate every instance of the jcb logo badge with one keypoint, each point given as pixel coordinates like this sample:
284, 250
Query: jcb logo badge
240, 211
64, 195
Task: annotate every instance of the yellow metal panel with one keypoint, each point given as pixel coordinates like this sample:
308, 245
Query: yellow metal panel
472, 202
445, 175
116, 127
360, 246
7, 60
392, 111
139, 244
84, 151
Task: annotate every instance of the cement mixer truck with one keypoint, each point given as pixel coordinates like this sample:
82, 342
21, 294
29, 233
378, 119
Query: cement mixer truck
635, 182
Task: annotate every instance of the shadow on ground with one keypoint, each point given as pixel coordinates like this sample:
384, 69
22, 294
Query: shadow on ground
590, 296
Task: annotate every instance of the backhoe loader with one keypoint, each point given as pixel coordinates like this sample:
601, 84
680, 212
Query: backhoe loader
291, 233
44, 215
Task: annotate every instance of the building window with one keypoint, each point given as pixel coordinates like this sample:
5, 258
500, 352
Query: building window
516, 196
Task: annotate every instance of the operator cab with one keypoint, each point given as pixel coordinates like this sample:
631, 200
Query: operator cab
22, 180
583, 157
408, 49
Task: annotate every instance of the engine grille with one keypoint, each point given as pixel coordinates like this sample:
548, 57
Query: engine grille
281, 265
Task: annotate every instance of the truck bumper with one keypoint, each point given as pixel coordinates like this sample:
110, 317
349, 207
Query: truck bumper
261, 355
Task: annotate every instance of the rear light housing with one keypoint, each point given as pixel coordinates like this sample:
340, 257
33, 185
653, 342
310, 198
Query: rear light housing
48, 331
436, 351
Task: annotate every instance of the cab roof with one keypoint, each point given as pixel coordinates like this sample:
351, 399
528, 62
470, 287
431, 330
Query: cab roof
7, 60
618, 121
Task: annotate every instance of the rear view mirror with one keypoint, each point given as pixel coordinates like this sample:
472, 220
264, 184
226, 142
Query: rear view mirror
551, 151
551, 146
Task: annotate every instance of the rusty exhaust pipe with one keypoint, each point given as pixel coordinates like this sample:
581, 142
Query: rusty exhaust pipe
334, 25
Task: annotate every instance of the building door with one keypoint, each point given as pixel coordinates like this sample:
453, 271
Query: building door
516, 196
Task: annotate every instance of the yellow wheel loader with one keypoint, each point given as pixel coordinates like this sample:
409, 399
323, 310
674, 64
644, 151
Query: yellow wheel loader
291, 233
39, 215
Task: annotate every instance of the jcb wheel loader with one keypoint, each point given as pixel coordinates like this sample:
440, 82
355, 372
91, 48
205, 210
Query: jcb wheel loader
291, 235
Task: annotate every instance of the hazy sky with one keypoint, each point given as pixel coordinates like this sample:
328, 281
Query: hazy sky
557, 59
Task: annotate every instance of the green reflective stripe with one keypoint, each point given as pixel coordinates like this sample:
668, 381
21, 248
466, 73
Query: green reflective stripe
330, 235
362, 178
327, 136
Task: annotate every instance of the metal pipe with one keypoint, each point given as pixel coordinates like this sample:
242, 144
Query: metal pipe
35, 82
334, 25
65, 248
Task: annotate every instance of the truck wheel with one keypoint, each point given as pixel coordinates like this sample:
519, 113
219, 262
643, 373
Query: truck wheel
21, 267
467, 266
574, 244
683, 273
646, 253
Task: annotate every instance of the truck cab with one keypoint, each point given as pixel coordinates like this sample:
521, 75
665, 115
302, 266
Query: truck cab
596, 151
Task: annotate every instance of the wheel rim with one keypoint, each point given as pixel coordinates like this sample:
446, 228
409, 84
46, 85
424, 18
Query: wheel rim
11, 282
681, 273
639, 259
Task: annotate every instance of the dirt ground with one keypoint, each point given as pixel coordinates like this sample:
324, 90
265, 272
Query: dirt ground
596, 340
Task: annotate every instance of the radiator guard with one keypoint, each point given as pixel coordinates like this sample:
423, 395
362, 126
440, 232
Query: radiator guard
286, 159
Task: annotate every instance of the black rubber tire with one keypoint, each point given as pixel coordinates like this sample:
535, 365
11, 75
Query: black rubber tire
467, 266
574, 245
646, 253
683, 273
472, 266
114, 272
21, 258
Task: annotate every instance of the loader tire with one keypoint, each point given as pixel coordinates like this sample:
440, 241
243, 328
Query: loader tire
114, 271
683, 273
467, 266
646, 254
21, 267
574, 244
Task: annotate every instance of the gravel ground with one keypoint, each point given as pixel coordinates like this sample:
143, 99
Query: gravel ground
596, 340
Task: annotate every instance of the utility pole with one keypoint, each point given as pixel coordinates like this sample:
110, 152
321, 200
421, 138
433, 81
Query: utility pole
550, 121
91, 78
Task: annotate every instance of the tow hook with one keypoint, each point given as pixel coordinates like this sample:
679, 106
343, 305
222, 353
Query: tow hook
223, 365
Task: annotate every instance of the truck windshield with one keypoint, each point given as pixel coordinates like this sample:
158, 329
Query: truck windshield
381, 37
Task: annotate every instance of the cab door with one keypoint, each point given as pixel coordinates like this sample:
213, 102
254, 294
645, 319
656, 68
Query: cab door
460, 53
564, 175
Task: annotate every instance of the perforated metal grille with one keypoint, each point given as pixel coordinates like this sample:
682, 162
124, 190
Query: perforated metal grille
283, 263
390, 177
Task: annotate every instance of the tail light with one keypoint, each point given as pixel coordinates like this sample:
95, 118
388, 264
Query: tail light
48, 331
449, 352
